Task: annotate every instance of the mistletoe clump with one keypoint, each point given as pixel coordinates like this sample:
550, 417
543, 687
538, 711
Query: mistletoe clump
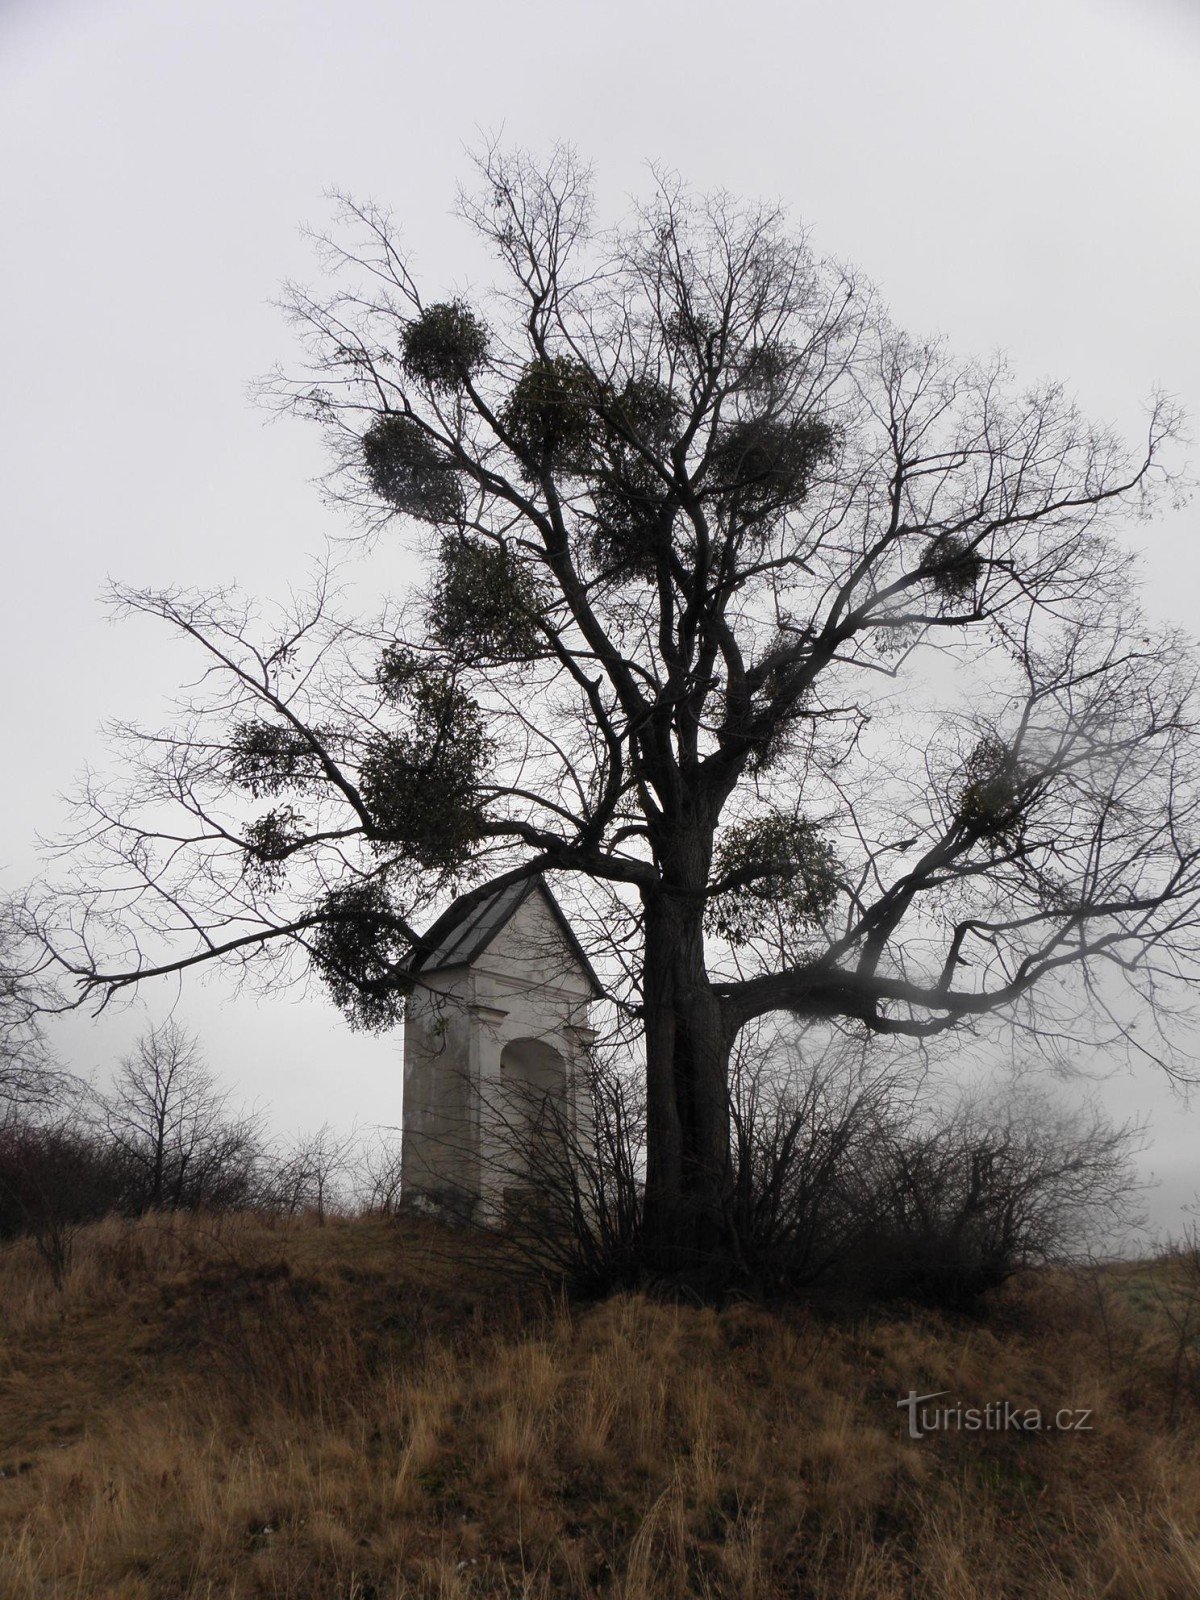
990, 802
445, 346
422, 787
486, 603
409, 472
645, 408
953, 566
777, 876
357, 949
764, 369
397, 670
266, 758
633, 518
270, 840
760, 465
687, 330
551, 415
633, 504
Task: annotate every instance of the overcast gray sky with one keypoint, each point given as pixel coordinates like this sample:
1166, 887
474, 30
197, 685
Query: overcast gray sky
1022, 177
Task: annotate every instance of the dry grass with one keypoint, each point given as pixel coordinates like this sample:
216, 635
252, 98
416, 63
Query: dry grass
240, 1408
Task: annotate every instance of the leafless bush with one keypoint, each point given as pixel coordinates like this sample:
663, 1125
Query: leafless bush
844, 1175
310, 1173
1176, 1292
54, 1178
579, 1194
561, 1177
804, 1124
954, 1206
378, 1176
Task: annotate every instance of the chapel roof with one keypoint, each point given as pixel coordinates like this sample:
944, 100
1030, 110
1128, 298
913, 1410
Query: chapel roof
467, 927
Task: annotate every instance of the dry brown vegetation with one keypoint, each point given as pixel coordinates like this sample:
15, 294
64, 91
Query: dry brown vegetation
238, 1407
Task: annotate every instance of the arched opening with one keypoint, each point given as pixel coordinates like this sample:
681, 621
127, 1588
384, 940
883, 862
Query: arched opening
533, 1065
534, 1111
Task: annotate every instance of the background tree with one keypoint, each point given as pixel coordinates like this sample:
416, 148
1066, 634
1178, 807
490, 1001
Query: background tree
173, 1131
31, 1082
745, 615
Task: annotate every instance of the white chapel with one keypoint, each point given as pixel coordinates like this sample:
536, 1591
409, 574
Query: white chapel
496, 1022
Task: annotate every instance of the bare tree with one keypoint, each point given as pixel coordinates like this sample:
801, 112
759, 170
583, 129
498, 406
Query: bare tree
746, 616
172, 1126
31, 1082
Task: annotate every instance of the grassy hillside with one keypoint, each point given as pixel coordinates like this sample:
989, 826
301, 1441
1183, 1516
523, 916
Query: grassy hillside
235, 1408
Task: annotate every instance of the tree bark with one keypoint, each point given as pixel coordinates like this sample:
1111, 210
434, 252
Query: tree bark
687, 1109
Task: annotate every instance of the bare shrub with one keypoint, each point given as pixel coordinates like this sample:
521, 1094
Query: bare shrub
562, 1179
580, 1189
378, 1177
54, 1178
1176, 1292
844, 1175
310, 1173
805, 1125
953, 1207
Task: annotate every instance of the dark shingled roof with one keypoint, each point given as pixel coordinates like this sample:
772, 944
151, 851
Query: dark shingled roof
469, 925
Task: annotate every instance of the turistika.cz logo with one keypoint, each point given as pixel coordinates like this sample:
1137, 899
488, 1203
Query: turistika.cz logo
998, 1416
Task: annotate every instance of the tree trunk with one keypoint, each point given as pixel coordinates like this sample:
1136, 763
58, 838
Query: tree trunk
687, 1105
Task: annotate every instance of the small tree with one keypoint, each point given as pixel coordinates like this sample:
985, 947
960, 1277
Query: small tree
181, 1146
31, 1082
751, 618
